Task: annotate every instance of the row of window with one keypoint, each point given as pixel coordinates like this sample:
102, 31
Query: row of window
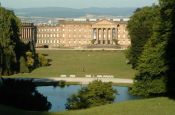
57, 35
54, 30
58, 41
80, 30
44, 30
47, 35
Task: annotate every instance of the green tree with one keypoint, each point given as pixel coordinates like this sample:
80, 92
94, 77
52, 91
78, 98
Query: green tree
30, 60
10, 44
167, 16
157, 63
95, 94
140, 29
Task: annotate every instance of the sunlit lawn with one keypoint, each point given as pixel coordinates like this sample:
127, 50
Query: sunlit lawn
81, 63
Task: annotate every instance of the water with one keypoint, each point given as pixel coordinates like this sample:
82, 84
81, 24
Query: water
58, 96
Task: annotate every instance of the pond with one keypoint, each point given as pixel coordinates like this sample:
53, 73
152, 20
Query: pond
58, 96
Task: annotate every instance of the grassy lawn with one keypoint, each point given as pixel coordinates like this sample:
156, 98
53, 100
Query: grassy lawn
154, 106
81, 63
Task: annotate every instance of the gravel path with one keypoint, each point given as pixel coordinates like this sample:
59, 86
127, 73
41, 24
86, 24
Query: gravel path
87, 80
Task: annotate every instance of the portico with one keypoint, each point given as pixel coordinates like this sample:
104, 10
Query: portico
104, 32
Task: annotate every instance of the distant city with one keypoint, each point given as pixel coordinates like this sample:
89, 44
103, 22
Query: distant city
51, 16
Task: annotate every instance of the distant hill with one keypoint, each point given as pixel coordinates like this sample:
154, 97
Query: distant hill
61, 12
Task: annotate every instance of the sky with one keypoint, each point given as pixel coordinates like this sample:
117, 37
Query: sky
76, 3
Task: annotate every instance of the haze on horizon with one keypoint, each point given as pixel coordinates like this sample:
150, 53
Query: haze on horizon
76, 3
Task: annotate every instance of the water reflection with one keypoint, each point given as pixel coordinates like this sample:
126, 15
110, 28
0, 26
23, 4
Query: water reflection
58, 96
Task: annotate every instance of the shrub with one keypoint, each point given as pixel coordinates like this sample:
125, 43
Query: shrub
95, 94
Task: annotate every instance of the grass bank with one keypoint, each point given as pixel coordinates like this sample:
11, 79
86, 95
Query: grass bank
154, 106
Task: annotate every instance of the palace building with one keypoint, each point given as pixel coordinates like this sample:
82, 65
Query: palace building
83, 33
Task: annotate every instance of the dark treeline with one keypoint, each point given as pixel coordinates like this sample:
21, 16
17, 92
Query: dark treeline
22, 94
15, 56
152, 31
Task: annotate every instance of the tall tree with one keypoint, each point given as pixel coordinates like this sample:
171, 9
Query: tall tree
10, 44
140, 29
167, 15
157, 62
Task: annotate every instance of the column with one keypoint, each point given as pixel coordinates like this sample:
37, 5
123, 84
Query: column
30, 35
97, 35
94, 33
107, 36
22, 33
102, 36
111, 42
25, 33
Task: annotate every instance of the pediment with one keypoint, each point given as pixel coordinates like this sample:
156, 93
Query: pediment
104, 22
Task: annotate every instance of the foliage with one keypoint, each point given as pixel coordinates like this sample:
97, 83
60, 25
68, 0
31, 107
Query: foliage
95, 94
157, 64
93, 41
30, 60
167, 17
43, 61
22, 94
23, 66
140, 29
11, 48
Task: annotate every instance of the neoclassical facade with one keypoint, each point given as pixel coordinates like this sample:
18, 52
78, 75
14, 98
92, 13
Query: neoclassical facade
83, 33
